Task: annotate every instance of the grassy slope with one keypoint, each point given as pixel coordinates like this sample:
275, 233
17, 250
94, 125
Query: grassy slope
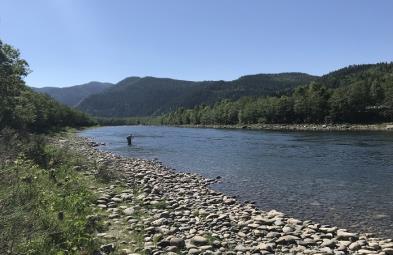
44, 203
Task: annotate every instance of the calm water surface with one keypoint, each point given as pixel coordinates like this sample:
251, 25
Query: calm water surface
338, 178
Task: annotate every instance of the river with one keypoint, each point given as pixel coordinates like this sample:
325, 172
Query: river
338, 178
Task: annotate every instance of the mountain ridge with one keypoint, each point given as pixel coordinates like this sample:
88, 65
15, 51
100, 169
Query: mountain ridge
73, 95
149, 96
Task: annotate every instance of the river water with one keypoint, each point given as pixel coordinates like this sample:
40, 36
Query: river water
338, 178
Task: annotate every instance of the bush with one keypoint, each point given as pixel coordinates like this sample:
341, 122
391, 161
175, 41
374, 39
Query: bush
44, 204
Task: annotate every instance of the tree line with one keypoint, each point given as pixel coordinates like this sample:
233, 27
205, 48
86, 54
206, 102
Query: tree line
355, 94
23, 109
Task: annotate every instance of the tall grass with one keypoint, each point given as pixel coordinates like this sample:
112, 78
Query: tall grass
44, 204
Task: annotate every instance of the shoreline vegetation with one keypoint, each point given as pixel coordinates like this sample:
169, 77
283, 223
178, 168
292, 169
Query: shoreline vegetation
45, 197
44, 201
156, 121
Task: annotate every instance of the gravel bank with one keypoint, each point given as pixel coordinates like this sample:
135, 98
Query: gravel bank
151, 209
304, 127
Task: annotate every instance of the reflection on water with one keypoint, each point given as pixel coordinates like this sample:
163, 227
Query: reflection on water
336, 178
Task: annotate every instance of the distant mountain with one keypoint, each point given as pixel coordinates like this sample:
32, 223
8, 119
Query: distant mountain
148, 96
73, 95
138, 97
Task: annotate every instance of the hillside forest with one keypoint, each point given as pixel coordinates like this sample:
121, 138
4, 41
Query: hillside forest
355, 94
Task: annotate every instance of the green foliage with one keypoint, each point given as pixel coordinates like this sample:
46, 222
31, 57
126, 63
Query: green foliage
151, 96
128, 121
44, 210
23, 109
356, 94
12, 71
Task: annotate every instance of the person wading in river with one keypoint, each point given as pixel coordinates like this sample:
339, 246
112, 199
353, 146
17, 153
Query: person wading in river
129, 139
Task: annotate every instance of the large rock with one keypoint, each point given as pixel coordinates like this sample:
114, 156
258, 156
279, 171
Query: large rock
262, 220
178, 242
331, 243
199, 241
264, 247
388, 251
344, 235
193, 251
355, 246
288, 239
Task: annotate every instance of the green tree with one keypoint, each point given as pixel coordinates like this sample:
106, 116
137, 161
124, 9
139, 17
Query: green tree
376, 93
12, 71
21, 108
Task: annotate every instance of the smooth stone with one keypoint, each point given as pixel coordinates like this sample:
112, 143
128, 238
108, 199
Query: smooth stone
289, 239
366, 252
328, 229
354, 246
117, 199
193, 251
159, 222
241, 248
388, 251
343, 235
273, 234
241, 234
178, 242
129, 211
326, 250
199, 240
205, 247
264, 247
329, 243
171, 248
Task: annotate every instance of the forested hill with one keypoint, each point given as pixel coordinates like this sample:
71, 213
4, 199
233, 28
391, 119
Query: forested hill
73, 95
148, 96
23, 109
355, 94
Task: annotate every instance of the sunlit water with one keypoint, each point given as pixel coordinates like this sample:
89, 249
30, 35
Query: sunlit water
337, 178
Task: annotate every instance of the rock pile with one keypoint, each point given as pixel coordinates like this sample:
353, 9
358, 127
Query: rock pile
161, 211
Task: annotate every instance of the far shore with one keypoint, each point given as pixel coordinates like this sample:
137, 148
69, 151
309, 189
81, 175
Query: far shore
303, 127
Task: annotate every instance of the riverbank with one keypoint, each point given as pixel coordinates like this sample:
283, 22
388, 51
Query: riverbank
303, 127
152, 209
44, 201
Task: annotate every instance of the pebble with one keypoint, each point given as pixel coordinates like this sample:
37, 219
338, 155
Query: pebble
180, 214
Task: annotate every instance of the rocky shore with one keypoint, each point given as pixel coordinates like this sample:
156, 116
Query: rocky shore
152, 209
304, 127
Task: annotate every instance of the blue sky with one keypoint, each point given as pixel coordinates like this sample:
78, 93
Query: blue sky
69, 42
